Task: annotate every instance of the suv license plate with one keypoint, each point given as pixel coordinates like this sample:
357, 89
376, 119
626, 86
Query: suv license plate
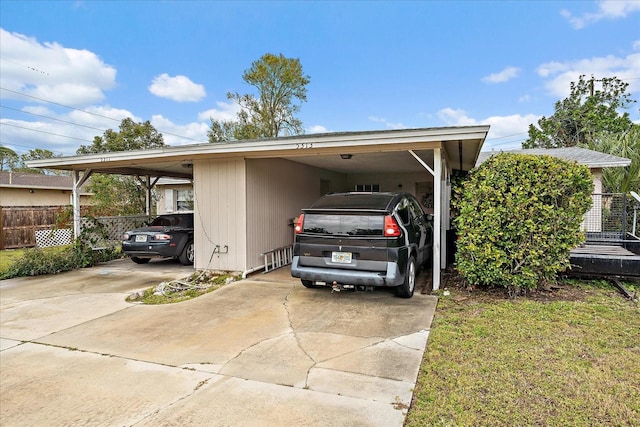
141, 238
341, 257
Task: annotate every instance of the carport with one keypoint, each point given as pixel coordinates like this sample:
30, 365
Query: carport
246, 193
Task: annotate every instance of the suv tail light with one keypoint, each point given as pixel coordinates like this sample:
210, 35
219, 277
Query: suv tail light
298, 227
391, 228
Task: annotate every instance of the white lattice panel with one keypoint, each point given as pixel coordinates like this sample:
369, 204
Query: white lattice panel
58, 237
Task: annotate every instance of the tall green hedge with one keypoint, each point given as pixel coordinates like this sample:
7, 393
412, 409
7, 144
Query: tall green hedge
519, 217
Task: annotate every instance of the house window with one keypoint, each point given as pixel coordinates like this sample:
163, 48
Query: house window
368, 188
184, 200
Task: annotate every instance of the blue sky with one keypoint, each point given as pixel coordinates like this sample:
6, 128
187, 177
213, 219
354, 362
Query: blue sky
71, 69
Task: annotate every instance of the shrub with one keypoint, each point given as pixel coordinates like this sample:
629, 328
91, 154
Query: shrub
36, 262
519, 217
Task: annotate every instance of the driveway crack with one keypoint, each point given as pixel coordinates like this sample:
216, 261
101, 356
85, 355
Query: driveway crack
285, 304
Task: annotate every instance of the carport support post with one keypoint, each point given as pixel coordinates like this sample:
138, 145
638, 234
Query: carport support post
148, 185
437, 215
78, 181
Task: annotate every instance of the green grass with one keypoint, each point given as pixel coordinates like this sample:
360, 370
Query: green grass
570, 359
8, 257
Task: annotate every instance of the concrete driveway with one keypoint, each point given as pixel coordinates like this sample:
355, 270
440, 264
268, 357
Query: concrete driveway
259, 352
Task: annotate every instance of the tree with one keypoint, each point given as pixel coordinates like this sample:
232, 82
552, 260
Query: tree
37, 154
8, 158
586, 112
627, 145
281, 86
115, 194
520, 216
132, 136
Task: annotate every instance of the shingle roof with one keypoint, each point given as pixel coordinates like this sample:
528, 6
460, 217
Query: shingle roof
590, 158
31, 180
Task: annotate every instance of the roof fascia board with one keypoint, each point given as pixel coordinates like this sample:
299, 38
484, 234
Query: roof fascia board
612, 164
289, 145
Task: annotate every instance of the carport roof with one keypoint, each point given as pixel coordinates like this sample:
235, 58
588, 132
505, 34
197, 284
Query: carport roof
372, 151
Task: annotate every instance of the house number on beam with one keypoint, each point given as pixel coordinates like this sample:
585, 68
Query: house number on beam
303, 146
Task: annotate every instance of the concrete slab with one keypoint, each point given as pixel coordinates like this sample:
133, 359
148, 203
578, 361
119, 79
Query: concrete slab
6, 343
240, 403
262, 351
48, 386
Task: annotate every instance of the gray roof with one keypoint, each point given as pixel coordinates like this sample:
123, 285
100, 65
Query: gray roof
35, 180
590, 158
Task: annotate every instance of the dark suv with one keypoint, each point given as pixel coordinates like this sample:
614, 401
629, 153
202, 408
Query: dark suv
362, 240
168, 235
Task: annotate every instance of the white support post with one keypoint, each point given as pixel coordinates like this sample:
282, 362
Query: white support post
437, 215
78, 181
76, 204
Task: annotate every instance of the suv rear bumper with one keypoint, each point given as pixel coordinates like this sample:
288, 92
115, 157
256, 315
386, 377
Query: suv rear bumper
391, 278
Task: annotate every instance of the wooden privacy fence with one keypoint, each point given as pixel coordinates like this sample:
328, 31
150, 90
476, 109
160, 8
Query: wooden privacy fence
18, 225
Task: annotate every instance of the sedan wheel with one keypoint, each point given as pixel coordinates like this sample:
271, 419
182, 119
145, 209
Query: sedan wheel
187, 255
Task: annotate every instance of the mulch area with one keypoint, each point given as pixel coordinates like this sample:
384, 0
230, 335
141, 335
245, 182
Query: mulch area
461, 290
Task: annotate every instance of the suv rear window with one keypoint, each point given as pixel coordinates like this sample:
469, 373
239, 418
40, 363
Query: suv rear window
350, 225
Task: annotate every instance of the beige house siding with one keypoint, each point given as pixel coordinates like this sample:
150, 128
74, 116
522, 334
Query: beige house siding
220, 214
37, 197
277, 190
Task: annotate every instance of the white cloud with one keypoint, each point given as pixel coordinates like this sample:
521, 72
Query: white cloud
61, 133
52, 72
387, 123
506, 132
502, 76
174, 134
453, 117
226, 111
178, 88
559, 75
607, 9
317, 129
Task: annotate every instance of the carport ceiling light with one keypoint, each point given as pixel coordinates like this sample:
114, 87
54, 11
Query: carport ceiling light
346, 156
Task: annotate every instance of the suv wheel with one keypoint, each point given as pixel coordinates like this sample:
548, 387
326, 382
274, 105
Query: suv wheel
406, 289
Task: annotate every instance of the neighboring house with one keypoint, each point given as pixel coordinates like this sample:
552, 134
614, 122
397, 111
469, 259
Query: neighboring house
30, 204
246, 193
32, 189
174, 195
594, 160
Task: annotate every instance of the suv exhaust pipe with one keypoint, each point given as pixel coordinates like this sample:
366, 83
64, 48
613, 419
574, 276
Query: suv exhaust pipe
337, 287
